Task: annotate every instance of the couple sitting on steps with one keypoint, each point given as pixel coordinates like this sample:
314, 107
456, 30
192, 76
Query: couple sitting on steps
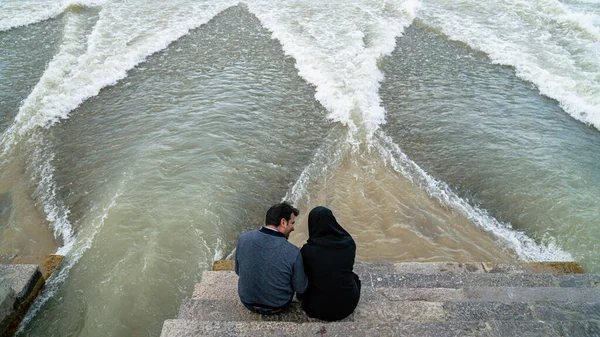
271, 269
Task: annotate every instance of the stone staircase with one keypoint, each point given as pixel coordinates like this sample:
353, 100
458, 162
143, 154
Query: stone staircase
417, 299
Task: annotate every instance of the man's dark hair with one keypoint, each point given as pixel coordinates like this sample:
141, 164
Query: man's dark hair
280, 211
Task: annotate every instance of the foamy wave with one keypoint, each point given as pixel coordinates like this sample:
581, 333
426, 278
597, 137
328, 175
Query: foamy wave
124, 35
325, 158
547, 44
337, 53
56, 212
336, 45
73, 253
15, 14
525, 247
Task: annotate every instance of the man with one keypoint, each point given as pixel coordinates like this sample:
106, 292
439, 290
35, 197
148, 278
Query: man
270, 268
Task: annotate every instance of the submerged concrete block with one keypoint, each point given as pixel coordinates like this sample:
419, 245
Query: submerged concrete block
553, 267
223, 265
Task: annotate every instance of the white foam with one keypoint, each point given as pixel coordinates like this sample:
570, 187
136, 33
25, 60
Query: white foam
547, 43
336, 45
325, 158
125, 34
56, 212
525, 247
72, 253
219, 252
26, 12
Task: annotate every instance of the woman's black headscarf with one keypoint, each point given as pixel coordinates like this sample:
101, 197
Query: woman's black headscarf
324, 230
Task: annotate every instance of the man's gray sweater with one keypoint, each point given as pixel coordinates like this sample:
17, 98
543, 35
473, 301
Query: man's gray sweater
270, 269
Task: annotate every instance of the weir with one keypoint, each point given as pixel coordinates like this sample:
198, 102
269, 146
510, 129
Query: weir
415, 299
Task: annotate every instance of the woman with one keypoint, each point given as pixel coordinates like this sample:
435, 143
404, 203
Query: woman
333, 289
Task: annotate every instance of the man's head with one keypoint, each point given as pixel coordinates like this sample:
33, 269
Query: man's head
282, 216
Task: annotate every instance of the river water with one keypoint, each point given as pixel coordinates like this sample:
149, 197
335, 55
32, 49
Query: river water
141, 138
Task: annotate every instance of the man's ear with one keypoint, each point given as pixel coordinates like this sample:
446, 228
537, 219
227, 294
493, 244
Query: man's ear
282, 222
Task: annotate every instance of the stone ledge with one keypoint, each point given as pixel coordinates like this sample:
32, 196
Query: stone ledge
446, 280
47, 263
223, 286
452, 267
405, 311
190, 328
24, 276
425, 299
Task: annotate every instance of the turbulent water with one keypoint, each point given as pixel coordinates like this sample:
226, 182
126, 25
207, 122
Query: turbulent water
141, 138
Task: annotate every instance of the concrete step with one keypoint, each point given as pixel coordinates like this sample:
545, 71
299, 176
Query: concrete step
217, 285
223, 286
451, 267
450, 280
424, 299
219, 310
403, 311
476, 286
195, 328
234, 310
483, 294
